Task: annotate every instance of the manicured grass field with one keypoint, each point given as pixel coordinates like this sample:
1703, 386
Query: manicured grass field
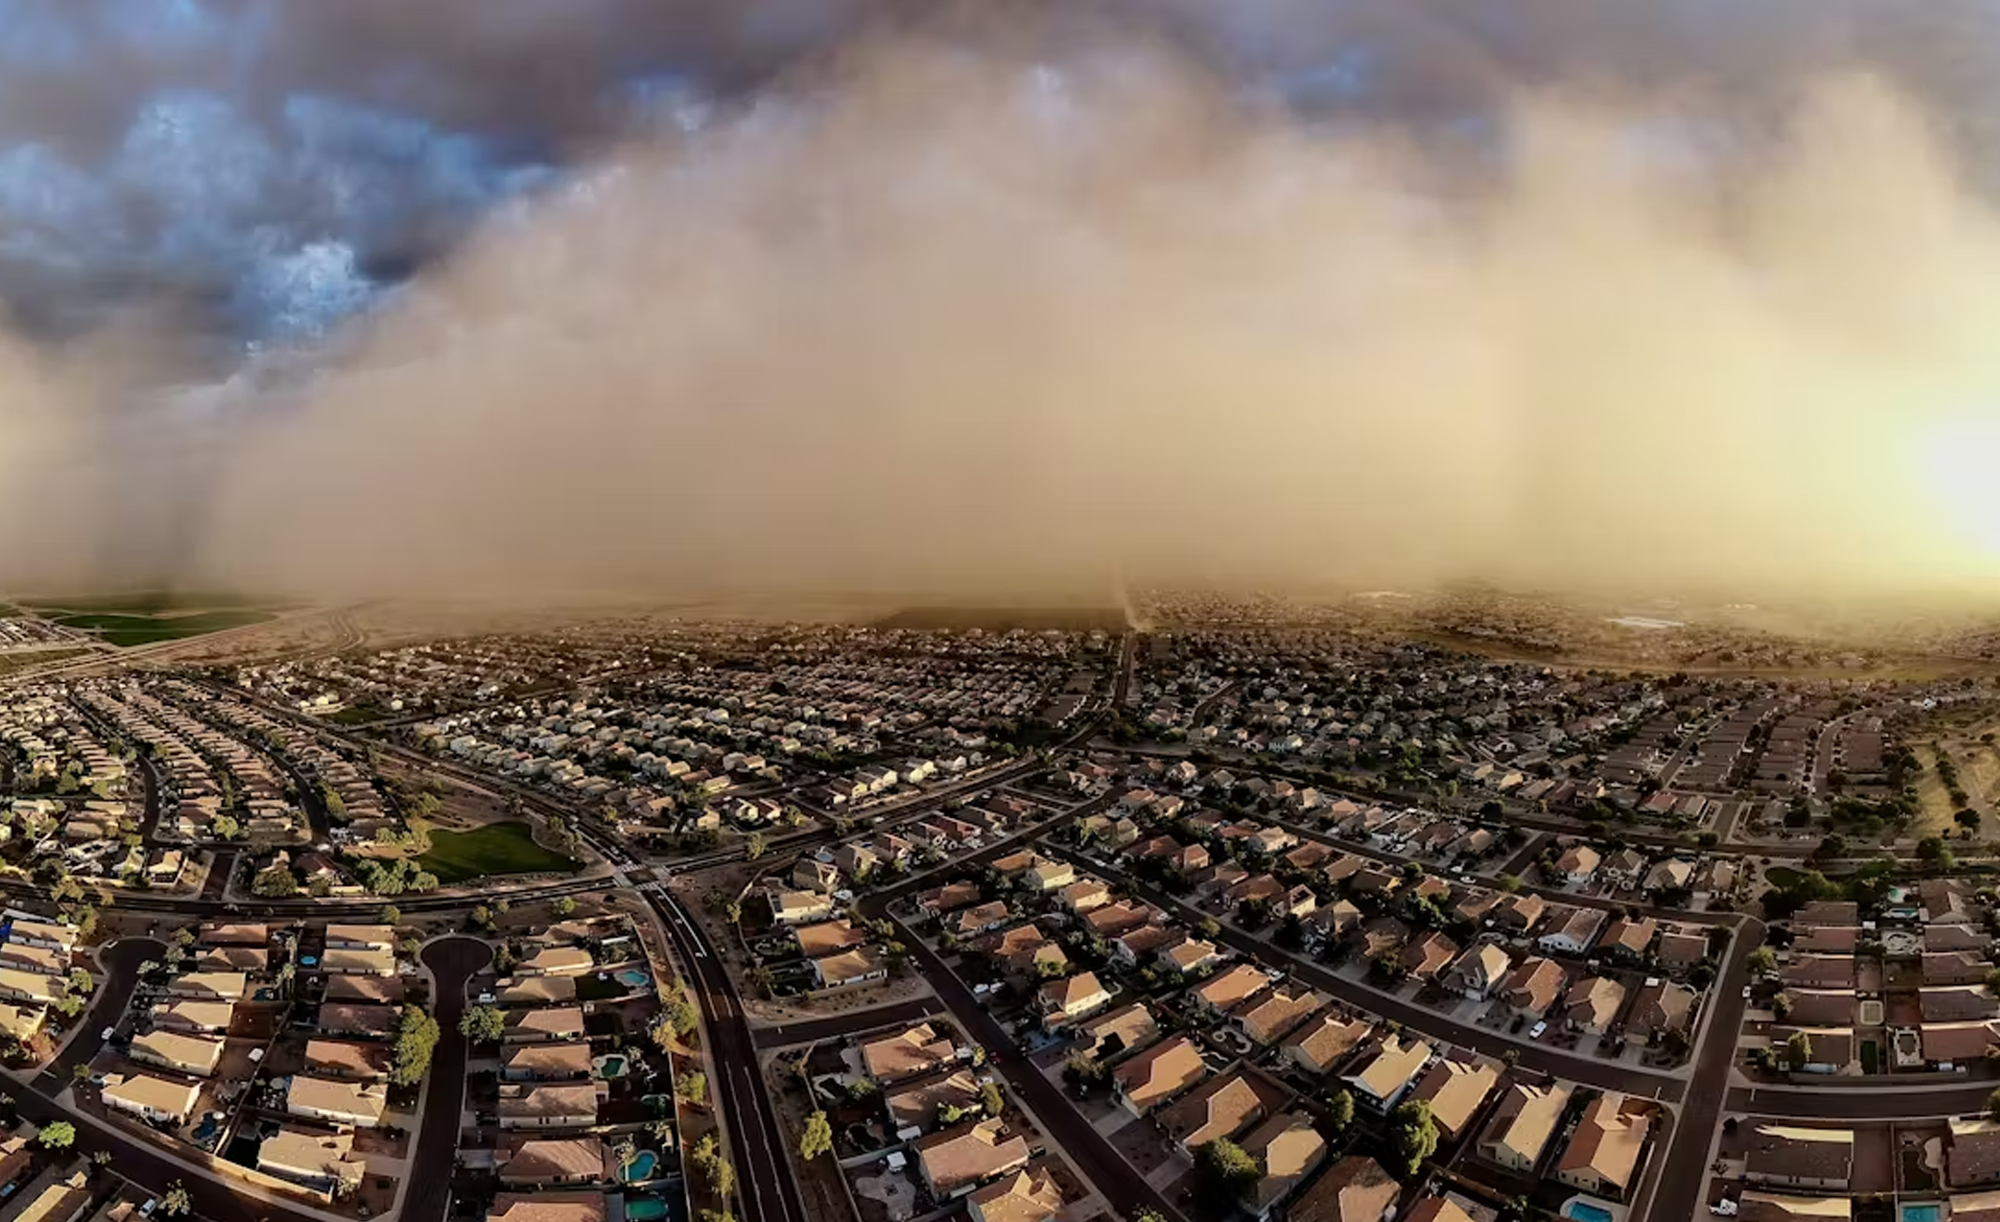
497, 848
125, 631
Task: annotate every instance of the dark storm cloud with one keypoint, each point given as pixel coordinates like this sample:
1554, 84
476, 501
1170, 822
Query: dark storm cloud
267, 167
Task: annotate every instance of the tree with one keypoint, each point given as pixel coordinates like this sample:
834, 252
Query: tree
482, 1025
692, 1086
1763, 959
1798, 1050
1340, 1111
818, 1138
564, 906
1414, 1133
1224, 1172
391, 915
1509, 883
1781, 1007
174, 1202
1993, 1105
416, 1039
57, 1135
681, 1015
482, 917
991, 1099
754, 847
80, 981
274, 883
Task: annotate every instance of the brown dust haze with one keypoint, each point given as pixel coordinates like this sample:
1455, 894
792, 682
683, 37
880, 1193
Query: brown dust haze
931, 320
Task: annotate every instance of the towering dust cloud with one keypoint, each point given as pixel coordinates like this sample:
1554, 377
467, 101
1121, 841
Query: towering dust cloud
936, 319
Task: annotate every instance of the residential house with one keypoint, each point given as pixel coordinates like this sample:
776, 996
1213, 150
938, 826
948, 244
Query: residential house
1662, 1009
549, 1026
1523, 1124
959, 1160
1227, 990
188, 1054
548, 1105
1287, 1147
556, 961
1157, 1074
792, 907
1533, 986
1424, 958
364, 1062
1592, 1004
545, 1162
1325, 1041
1070, 998
862, 965
1479, 972
547, 1207
1387, 1074
1269, 1016
1122, 1030
150, 1098
1455, 1090
209, 986
1029, 1195
1572, 931
1577, 864
1602, 1157
323, 1162
1798, 1156
1223, 1106
1187, 954
353, 1104
915, 1050
545, 1062
1628, 938
203, 1016
918, 1102
1355, 1189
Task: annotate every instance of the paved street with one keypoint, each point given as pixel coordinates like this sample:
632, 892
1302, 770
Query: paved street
453, 962
842, 1025
756, 1142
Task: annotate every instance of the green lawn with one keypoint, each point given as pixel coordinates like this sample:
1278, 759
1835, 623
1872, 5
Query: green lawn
125, 631
497, 848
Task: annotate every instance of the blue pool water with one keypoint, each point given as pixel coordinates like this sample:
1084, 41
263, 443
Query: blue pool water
645, 1209
634, 977
641, 1168
1584, 1211
611, 1066
1924, 1212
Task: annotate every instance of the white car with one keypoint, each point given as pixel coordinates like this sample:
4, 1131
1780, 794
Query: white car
1746, 992
1535, 1032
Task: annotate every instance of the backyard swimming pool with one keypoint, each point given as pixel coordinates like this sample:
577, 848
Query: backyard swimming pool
1583, 1211
1921, 1211
641, 1168
634, 977
611, 1067
645, 1209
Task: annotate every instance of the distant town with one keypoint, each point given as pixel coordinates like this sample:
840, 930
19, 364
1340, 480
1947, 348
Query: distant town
1466, 907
